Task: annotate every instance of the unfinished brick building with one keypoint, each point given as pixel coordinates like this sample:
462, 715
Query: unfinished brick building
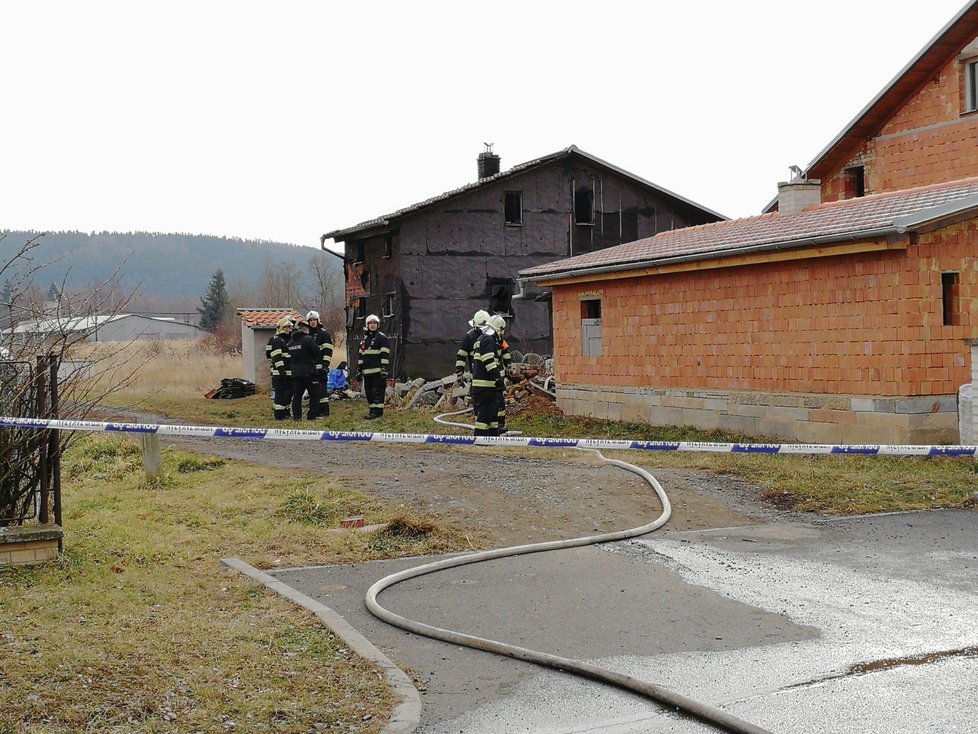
427, 268
848, 321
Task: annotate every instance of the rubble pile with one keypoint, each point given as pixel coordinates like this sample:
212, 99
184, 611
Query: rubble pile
526, 380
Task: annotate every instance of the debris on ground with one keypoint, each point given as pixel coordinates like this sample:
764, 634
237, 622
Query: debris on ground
526, 383
232, 388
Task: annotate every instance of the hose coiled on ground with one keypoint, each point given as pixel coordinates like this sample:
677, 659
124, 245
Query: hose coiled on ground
704, 712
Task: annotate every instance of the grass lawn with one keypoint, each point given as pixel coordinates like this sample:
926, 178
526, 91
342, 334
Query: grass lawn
137, 628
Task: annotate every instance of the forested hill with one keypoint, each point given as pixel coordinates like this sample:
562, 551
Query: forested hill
165, 265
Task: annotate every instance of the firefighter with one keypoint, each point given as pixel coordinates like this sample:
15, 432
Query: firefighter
463, 360
304, 354
486, 373
373, 366
325, 343
498, 324
277, 351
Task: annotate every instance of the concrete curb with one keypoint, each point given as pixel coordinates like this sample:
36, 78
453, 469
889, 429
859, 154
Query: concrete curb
407, 713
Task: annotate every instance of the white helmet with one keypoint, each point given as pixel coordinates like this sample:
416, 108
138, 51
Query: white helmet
312, 315
373, 317
480, 318
497, 323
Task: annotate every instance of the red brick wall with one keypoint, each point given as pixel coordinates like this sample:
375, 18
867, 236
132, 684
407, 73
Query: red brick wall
927, 141
866, 324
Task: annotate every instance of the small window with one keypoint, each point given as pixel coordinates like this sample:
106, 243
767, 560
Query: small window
971, 86
388, 246
359, 254
513, 206
591, 327
855, 182
364, 279
389, 304
501, 296
362, 308
584, 206
949, 296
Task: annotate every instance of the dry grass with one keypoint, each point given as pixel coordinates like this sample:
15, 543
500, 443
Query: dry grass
136, 628
167, 368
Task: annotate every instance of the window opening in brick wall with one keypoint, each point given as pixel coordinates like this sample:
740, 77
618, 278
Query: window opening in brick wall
388, 246
591, 327
362, 308
389, 304
855, 182
583, 206
501, 296
360, 251
513, 206
949, 296
971, 86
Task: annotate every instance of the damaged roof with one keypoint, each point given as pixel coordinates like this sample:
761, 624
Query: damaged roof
840, 221
382, 221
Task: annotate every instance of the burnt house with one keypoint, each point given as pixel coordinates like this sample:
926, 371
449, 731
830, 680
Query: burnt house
427, 268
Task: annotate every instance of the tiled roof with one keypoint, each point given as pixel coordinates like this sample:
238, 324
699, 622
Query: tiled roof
864, 217
265, 317
340, 234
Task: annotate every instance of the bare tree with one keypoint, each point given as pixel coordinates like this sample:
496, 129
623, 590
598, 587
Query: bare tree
325, 289
45, 335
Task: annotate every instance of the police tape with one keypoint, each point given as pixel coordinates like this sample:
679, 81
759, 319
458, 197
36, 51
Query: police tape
287, 434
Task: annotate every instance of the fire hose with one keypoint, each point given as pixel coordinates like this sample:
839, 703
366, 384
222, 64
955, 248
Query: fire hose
701, 711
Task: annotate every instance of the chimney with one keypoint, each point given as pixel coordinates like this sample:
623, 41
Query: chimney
798, 193
488, 162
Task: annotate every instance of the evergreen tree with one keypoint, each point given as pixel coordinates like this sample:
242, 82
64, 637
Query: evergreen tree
215, 303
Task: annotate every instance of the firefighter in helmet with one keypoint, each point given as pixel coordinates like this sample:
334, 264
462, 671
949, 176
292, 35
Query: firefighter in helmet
463, 358
498, 324
373, 365
325, 344
277, 352
486, 374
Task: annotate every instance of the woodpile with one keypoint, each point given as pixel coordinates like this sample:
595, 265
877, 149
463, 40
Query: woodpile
450, 393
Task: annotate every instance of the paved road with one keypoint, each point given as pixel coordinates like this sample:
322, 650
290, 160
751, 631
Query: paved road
857, 625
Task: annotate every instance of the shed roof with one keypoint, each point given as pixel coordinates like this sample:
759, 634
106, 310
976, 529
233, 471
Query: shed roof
852, 219
382, 221
265, 318
82, 323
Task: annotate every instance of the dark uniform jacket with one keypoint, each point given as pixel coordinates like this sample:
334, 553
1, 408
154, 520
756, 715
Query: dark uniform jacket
486, 369
463, 360
325, 343
277, 352
304, 354
375, 354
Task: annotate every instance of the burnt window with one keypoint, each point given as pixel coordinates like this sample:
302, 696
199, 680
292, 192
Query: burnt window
513, 207
364, 279
389, 304
855, 182
583, 206
362, 308
501, 296
949, 297
359, 251
388, 246
591, 327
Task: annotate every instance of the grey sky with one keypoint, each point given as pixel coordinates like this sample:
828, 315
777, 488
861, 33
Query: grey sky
285, 120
